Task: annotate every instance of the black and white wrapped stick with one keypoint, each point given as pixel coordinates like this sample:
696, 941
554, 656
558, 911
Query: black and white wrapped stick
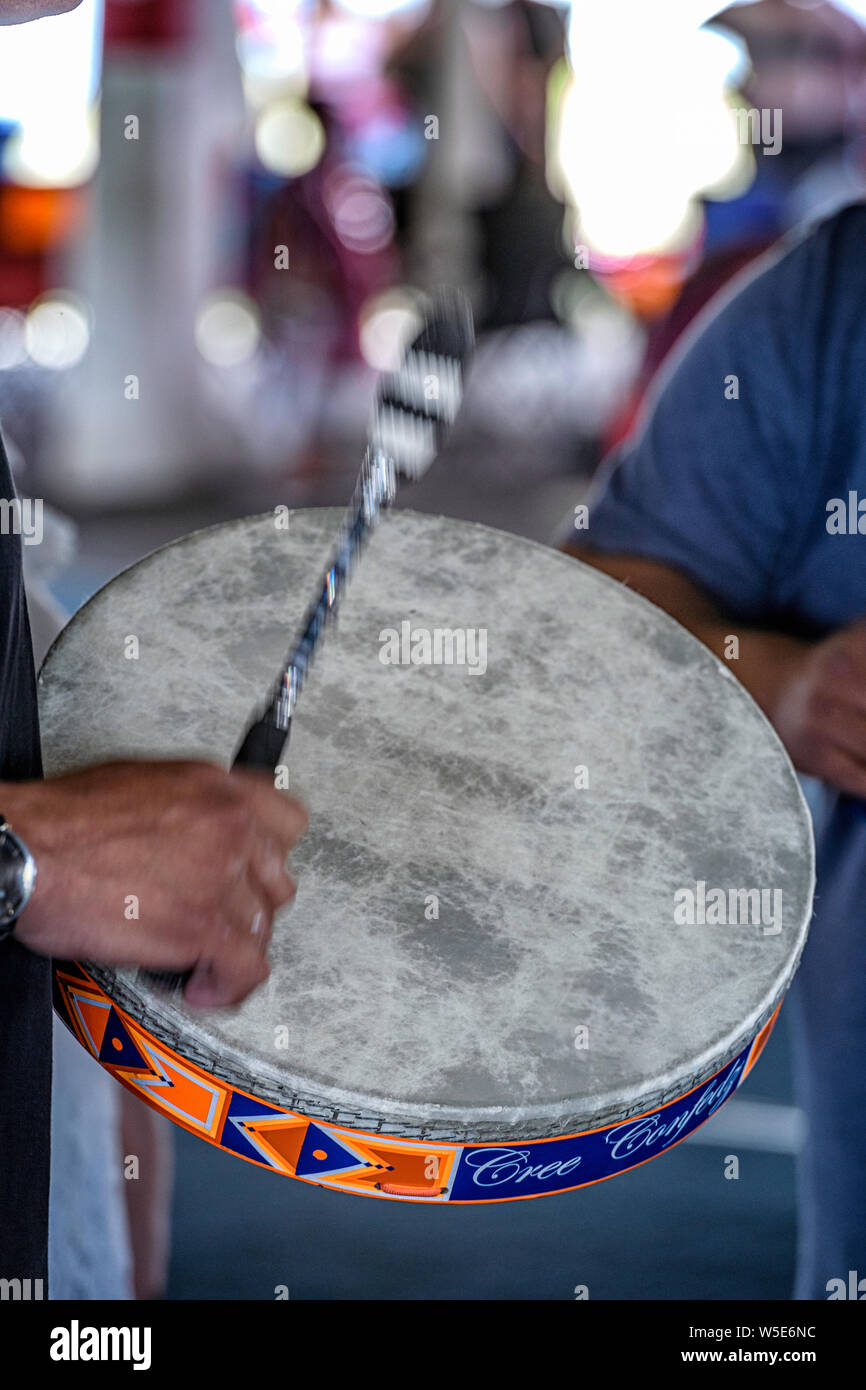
415, 407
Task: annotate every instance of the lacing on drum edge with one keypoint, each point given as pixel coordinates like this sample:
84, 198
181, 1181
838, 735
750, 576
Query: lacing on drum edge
312, 1107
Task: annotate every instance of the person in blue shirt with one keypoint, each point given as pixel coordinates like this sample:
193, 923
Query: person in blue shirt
739, 506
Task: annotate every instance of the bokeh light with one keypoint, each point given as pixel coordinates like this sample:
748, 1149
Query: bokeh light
272, 57
361, 212
289, 138
53, 153
57, 331
645, 127
381, 9
49, 81
228, 329
388, 322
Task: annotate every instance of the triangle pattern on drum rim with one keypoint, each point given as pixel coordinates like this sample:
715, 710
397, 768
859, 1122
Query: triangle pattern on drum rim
174, 1087
117, 1048
324, 1155
102, 1030
240, 1131
72, 996
92, 1015
296, 1145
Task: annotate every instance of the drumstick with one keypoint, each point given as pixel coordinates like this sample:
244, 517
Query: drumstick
414, 409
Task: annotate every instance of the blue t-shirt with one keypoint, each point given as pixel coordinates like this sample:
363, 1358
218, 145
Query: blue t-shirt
757, 424
749, 466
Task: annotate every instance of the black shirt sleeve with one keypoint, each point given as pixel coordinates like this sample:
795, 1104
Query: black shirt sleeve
25, 979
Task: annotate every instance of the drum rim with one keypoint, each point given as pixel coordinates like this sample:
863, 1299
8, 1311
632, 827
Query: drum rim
466, 1124
462, 1124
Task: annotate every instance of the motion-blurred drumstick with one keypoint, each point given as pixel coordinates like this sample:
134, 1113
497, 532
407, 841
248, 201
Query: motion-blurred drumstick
413, 411
414, 408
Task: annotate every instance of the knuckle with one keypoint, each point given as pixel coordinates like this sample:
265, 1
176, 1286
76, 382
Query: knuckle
818, 714
233, 821
300, 812
288, 889
199, 923
813, 729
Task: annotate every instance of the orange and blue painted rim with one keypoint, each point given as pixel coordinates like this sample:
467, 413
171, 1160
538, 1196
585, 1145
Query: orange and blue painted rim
375, 1165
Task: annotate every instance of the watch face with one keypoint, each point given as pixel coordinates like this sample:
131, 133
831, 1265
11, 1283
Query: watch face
17, 872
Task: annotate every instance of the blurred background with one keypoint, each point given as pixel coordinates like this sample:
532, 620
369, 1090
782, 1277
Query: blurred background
217, 222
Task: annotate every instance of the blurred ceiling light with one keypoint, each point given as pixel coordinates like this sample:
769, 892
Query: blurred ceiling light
362, 214
289, 138
268, 16
228, 328
51, 68
645, 126
388, 322
13, 349
49, 81
273, 61
674, 13
564, 5
380, 9
57, 331
52, 153
855, 7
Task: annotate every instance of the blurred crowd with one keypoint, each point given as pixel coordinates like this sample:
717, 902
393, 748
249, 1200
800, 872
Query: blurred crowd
218, 220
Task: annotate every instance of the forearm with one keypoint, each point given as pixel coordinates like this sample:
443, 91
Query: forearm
19, 801
766, 661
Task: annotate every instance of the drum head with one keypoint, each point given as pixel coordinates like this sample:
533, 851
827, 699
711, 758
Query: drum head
485, 940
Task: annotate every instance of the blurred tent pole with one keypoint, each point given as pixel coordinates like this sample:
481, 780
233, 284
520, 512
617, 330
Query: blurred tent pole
147, 256
444, 241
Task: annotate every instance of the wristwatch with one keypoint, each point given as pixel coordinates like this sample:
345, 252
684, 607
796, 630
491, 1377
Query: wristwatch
17, 877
